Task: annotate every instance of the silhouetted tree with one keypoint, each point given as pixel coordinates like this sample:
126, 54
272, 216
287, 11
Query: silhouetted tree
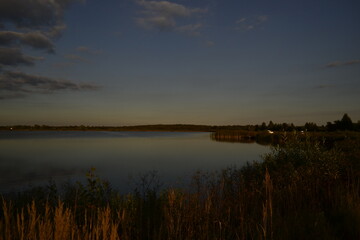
270, 125
346, 123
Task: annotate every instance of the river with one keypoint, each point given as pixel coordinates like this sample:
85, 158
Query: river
30, 158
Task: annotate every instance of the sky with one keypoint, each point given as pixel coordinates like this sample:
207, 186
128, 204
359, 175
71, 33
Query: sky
214, 62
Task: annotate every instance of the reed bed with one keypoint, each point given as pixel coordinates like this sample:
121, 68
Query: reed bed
245, 136
300, 190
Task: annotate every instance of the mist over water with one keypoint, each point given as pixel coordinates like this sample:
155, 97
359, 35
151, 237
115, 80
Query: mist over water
33, 158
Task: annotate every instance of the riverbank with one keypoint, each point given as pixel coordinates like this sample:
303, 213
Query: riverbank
240, 134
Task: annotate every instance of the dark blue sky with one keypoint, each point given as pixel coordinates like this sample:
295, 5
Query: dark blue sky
203, 62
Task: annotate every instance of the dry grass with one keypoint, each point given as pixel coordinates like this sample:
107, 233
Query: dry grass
55, 224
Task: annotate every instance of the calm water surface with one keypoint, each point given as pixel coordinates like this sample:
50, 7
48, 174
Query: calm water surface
32, 158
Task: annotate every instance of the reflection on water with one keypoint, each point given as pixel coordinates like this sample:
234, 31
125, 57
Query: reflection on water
29, 158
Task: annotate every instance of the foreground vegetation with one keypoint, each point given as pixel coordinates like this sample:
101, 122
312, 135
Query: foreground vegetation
301, 190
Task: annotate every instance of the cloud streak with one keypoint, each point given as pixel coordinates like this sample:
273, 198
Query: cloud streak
324, 86
75, 57
341, 64
80, 55
209, 43
14, 57
18, 84
40, 14
191, 29
164, 16
36, 40
247, 24
87, 50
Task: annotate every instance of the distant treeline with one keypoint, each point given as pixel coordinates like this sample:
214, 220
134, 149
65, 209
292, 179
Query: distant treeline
345, 124
339, 125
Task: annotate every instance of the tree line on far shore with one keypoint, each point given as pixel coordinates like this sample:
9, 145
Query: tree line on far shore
345, 124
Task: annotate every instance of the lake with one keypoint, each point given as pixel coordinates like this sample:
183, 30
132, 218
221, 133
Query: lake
30, 158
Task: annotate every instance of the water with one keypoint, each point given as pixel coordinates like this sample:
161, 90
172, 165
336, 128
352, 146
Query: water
32, 158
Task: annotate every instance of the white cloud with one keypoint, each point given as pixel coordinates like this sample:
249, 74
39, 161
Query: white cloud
190, 29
